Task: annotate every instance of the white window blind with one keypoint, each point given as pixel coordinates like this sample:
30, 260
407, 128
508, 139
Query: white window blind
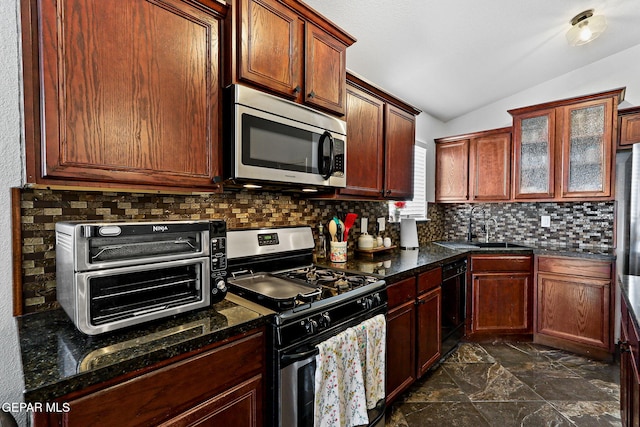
416, 208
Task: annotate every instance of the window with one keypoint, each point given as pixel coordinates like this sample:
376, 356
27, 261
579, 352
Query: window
416, 208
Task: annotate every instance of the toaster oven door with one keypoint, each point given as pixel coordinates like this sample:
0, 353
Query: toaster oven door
118, 297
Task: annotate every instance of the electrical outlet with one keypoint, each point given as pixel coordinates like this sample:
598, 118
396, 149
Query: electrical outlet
545, 221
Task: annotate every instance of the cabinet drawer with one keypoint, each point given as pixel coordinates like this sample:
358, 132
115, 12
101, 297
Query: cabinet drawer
401, 291
153, 397
500, 263
429, 280
575, 267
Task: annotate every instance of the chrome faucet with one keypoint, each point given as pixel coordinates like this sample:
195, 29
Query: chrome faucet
486, 228
470, 231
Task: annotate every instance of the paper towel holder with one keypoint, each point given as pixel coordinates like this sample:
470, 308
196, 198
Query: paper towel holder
408, 234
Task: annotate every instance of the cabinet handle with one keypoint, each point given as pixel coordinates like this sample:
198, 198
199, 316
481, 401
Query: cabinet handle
312, 94
388, 192
297, 89
624, 347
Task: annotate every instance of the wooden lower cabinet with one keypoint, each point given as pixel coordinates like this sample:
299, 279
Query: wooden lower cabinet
429, 345
413, 329
221, 385
501, 300
575, 305
629, 368
401, 337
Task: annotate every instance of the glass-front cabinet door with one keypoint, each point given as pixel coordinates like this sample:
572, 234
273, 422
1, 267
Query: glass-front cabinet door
587, 149
534, 142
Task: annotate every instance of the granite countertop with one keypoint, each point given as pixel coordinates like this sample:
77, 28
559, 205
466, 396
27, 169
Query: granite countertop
397, 264
58, 359
630, 290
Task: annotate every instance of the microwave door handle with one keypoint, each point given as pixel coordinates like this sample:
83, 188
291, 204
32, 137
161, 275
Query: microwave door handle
321, 165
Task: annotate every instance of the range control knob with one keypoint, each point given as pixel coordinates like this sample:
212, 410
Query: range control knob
219, 291
311, 326
376, 300
324, 321
366, 302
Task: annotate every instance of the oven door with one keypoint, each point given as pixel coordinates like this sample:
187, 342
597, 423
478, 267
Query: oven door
118, 297
297, 381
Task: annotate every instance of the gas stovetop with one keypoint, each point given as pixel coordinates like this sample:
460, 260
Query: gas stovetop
273, 268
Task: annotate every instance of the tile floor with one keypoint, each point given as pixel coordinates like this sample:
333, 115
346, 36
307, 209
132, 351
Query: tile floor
512, 384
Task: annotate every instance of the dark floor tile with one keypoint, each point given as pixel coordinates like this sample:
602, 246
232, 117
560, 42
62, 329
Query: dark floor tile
523, 414
440, 414
435, 387
508, 354
593, 369
470, 353
590, 414
555, 382
489, 382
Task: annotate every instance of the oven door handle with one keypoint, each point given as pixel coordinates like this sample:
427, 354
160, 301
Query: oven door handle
294, 357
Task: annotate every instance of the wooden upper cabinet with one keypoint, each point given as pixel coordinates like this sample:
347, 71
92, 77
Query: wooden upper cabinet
287, 48
380, 143
326, 70
534, 155
271, 42
365, 154
628, 127
399, 141
564, 150
129, 92
490, 166
452, 171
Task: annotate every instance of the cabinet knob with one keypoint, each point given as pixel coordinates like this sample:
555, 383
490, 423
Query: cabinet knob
312, 94
297, 89
624, 347
388, 192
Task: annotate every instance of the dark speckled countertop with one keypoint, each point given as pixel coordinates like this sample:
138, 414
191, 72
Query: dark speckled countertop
58, 359
397, 264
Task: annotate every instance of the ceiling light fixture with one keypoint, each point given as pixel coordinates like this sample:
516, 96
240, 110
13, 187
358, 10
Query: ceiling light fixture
585, 27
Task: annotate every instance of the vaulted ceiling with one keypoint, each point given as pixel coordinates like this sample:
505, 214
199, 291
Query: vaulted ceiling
450, 57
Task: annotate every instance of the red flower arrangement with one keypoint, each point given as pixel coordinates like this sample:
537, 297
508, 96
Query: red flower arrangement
399, 205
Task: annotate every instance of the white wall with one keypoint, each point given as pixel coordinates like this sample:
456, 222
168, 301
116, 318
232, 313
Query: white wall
11, 384
621, 69
427, 129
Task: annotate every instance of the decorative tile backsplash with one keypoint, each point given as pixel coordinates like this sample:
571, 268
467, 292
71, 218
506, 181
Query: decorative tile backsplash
577, 224
585, 225
41, 209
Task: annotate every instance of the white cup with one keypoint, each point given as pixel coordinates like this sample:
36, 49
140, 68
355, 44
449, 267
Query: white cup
387, 242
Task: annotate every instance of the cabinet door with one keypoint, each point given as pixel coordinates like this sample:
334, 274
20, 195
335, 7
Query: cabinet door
325, 70
240, 406
629, 128
501, 303
534, 154
490, 167
120, 101
400, 134
452, 171
401, 367
587, 149
365, 153
574, 308
429, 332
270, 46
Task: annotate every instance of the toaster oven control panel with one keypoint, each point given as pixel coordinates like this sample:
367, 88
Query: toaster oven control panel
218, 253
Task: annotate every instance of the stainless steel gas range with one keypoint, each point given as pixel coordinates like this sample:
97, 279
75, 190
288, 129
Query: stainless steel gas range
273, 267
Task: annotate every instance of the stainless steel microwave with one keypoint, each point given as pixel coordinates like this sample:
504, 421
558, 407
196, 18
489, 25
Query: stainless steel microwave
276, 141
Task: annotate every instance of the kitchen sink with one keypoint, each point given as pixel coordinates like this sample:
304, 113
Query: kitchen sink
498, 245
479, 245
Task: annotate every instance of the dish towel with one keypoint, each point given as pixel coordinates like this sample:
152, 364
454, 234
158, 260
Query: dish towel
339, 387
371, 342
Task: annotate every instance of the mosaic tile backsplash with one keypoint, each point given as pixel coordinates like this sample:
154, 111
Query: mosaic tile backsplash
576, 224
583, 225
